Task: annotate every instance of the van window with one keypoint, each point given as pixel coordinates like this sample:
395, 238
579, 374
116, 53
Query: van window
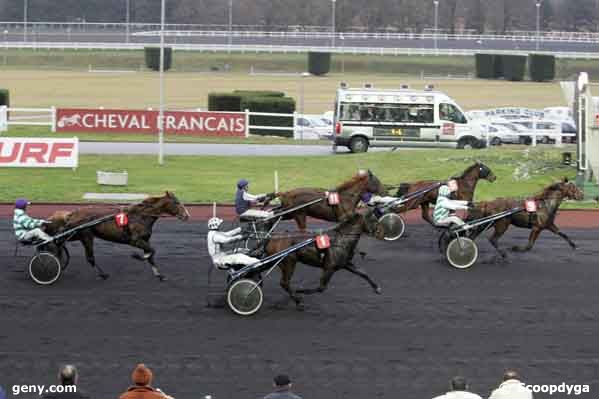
389, 113
449, 112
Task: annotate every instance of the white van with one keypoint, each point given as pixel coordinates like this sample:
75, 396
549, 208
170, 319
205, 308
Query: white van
369, 117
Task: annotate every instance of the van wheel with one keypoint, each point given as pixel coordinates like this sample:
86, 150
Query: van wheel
358, 144
496, 141
466, 143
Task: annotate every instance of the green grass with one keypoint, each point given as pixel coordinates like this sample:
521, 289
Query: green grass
38, 131
207, 179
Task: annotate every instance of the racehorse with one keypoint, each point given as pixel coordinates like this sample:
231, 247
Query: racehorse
349, 192
548, 202
466, 185
137, 233
344, 238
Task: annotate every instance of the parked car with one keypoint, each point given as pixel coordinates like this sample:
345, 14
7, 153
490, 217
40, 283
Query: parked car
517, 133
498, 134
313, 127
551, 128
569, 132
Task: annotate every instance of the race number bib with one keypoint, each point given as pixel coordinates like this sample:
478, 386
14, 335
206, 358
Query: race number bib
531, 206
121, 219
333, 198
323, 241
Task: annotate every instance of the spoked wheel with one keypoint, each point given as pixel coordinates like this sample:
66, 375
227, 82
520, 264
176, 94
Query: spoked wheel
245, 297
461, 252
44, 268
393, 226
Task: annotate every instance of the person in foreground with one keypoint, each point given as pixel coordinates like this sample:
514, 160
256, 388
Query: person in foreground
68, 376
27, 228
511, 388
458, 390
244, 201
282, 385
216, 239
443, 214
142, 388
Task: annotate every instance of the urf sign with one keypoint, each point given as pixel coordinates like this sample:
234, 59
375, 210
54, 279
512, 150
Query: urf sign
39, 153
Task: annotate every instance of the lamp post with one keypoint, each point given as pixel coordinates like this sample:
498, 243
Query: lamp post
5, 45
25, 9
161, 109
436, 2
302, 77
230, 39
539, 2
127, 19
333, 3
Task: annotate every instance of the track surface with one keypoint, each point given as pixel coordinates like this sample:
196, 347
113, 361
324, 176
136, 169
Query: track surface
539, 314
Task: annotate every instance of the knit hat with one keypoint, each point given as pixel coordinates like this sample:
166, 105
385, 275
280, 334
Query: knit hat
141, 375
282, 380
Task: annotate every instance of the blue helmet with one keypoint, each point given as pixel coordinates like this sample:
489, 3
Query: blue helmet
21, 203
242, 183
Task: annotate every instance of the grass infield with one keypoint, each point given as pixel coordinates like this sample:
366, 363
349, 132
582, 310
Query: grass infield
519, 172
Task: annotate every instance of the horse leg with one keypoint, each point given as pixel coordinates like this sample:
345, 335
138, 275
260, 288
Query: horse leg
358, 271
498, 232
88, 244
534, 234
425, 213
324, 282
555, 230
300, 219
149, 256
287, 270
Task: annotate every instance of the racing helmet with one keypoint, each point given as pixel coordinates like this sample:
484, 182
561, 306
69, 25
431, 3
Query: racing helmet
242, 183
444, 191
214, 223
21, 203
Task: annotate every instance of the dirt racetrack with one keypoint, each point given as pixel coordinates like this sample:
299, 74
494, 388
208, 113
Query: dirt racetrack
539, 314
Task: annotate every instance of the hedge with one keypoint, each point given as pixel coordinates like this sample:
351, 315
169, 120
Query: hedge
514, 67
224, 102
541, 67
282, 105
497, 66
4, 97
259, 93
485, 66
319, 63
152, 55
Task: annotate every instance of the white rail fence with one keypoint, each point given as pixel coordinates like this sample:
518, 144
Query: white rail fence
287, 49
47, 117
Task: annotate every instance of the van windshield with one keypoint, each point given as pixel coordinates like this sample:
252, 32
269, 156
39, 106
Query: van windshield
381, 112
451, 113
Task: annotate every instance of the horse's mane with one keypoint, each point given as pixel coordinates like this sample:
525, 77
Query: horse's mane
545, 192
351, 182
466, 171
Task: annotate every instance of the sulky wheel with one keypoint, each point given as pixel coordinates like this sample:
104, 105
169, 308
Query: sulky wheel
461, 252
393, 226
245, 297
44, 268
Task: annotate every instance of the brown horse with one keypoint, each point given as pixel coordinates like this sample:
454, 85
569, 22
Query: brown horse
344, 239
466, 185
349, 197
548, 203
136, 233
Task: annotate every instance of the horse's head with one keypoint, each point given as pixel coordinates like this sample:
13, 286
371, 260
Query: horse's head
484, 172
570, 190
374, 185
171, 205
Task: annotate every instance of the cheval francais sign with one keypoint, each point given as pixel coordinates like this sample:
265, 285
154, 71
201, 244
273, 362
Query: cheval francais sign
134, 121
39, 153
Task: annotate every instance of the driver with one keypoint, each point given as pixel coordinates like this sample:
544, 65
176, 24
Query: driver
244, 200
444, 214
26, 227
371, 199
216, 239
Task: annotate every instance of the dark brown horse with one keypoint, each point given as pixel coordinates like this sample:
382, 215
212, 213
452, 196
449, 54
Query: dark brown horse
349, 197
136, 234
344, 239
548, 203
466, 185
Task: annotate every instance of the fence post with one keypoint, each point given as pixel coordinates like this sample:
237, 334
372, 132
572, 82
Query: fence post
247, 123
53, 116
534, 131
3, 118
276, 181
295, 125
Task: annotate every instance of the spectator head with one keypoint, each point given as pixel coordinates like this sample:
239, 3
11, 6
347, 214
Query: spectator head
510, 375
68, 375
142, 375
282, 381
458, 383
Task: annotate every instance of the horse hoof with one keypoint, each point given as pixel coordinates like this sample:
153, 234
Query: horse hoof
161, 277
137, 257
300, 306
104, 276
378, 291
